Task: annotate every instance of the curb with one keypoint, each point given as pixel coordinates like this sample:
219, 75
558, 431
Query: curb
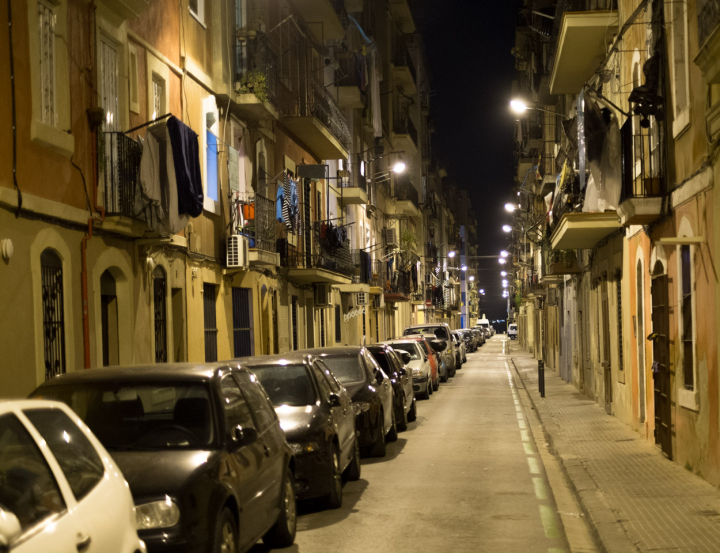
605, 526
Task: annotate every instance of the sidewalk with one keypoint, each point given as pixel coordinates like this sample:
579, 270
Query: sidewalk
634, 499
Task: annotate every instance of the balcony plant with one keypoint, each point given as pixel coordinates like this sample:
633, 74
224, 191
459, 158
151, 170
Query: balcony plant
253, 82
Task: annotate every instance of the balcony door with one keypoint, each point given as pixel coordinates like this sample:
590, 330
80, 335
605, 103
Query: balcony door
661, 360
109, 101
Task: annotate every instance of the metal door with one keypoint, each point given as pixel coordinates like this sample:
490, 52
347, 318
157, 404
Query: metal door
242, 322
607, 369
661, 369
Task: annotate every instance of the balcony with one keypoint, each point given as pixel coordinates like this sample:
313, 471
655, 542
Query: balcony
255, 83
397, 287
353, 190
377, 277
404, 68
261, 234
401, 12
577, 231
362, 276
406, 197
643, 182
562, 262
328, 261
404, 136
350, 80
418, 297
330, 13
318, 122
119, 161
581, 33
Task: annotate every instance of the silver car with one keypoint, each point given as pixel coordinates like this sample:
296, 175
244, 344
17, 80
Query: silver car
441, 331
419, 366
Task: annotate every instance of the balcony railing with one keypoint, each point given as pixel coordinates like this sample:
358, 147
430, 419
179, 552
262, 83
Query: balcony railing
326, 254
404, 125
262, 230
402, 58
377, 274
398, 283
322, 105
643, 161
351, 70
119, 162
256, 69
363, 267
404, 190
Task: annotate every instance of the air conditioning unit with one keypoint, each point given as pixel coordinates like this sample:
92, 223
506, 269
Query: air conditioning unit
322, 295
390, 236
238, 253
361, 298
378, 301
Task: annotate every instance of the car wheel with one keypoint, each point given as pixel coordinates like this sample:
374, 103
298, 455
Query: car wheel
334, 498
392, 435
402, 425
282, 534
436, 385
352, 472
379, 449
225, 539
412, 414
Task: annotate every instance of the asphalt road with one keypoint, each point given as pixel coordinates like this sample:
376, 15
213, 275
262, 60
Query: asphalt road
466, 476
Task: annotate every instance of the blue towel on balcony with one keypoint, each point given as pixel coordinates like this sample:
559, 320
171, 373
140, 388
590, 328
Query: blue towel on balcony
280, 203
186, 158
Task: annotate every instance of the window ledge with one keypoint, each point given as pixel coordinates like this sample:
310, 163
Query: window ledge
51, 137
196, 17
211, 206
688, 399
681, 123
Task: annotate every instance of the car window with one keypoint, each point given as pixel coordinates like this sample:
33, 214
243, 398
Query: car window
138, 415
27, 485
235, 407
411, 348
372, 363
439, 331
331, 380
76, 456
384, 359
286, 384
322, 383
259, 403
347, 369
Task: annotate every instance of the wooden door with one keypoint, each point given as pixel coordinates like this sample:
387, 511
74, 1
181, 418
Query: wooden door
661, 364
607, 370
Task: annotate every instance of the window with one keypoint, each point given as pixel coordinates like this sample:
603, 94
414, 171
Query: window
687, 319
210, 322
108, 66
235, 409
133, 79
73, 451
364, 324
197, 10
322, 383
109, 319
46, 28
335, 385
260, 406
53, 310
294, 323
211, 171
158, 95
680, 80
322, 328
338, 324
160, 307
28, 489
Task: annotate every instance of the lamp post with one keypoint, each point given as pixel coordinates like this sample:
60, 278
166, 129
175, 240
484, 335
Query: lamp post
519, 107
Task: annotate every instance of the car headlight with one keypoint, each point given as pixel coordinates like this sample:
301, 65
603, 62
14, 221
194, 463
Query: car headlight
361, 407
417, 373
307, 447
158, 514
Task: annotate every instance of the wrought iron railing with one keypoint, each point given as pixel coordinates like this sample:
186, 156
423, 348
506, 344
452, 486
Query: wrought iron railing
322, 105
119, 165
262, 231
351, 70
363, 266
398, 283
404, 125
327, 252
642, 160
256, 69
377, 274
402, 58
404, 190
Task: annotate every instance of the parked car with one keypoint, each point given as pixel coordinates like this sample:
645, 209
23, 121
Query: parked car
436, 355
201, 447
370, 389
419, 365
460, 350
59, 488
433, 358
468, 336
440, 331
480, 336
512, 331
316, 413
404, 396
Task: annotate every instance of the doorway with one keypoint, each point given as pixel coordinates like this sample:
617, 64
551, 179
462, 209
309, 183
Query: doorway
109, 316
178, 324
661, 360
607, 369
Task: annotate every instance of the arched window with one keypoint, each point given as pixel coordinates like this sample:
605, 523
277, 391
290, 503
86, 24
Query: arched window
53, 309
160, 306
109, 316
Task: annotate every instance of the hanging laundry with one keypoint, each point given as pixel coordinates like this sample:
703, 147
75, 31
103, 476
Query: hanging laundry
186, 157
249, 211
287, 219
148, 192
280, 204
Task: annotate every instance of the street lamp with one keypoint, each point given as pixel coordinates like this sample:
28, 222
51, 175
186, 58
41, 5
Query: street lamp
502, 261
463, 268
506, 228
503, 273
472, 278
510, 207
482, 291
399, 167
519, 107
451, 254
505, 283
504, 253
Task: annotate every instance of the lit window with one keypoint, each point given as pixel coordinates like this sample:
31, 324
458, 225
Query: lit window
158, 96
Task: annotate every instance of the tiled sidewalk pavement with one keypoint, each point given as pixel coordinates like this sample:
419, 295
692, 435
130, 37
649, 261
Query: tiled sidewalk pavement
633, 498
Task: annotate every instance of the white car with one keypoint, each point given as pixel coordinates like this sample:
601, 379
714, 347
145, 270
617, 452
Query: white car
60, 491
419, 365
512, 331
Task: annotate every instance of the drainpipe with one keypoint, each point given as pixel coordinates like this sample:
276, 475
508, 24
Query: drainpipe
95, 118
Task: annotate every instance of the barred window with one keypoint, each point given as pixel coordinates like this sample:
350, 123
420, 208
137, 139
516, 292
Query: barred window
686, 319
160, 306
210, 322
53, 313
294, 323
338, 324
322, 328
46, 32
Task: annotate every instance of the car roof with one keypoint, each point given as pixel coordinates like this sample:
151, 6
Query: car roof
340, 351
11, 405
144, 373
280, 359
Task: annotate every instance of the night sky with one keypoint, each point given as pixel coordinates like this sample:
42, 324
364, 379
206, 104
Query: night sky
468, 44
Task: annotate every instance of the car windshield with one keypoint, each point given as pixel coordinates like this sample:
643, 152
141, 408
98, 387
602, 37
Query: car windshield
127, 416
410, 348
438, 331
286, 384
347, 369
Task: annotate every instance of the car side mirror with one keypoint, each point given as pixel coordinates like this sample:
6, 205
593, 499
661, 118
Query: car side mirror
379, 377
244, 436
335, 400
438, 345
9, 529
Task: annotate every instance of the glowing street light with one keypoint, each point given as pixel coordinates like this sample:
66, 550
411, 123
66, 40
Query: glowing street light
503, 273
502, 261
399, 167
505, 283
518, 106
472, 278
510, 207
451, 254
463, 268
507, 228
482, 291
504, 253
